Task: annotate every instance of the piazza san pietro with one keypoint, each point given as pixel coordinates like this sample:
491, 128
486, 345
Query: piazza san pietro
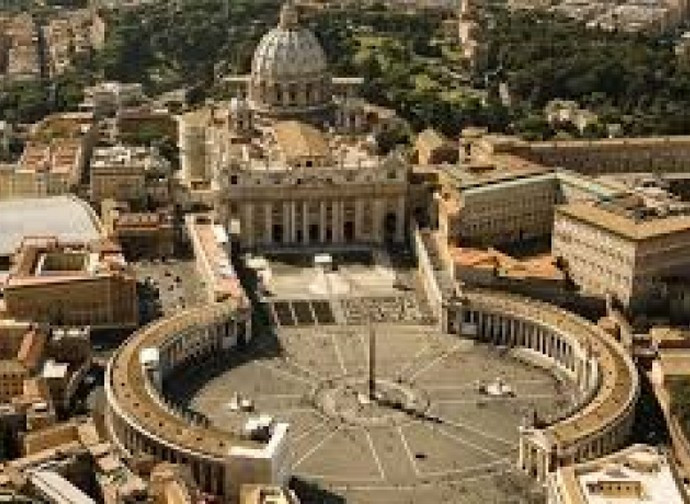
279, 282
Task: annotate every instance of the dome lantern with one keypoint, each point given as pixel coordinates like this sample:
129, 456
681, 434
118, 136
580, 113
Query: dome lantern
289, 18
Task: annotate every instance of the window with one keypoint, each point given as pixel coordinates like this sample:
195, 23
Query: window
233, 179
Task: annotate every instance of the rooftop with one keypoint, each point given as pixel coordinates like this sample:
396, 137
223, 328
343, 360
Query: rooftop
212, 247
498, 169
123, 156
631, 224
674, 362
57, 156
432, 139
296, 139
42, 261
67, 218
637, 474
64, 125
540, 267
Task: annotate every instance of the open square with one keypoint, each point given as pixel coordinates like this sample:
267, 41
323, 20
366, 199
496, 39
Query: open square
432, 431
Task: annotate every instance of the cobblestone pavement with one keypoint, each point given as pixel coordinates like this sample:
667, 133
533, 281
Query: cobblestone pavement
453, 444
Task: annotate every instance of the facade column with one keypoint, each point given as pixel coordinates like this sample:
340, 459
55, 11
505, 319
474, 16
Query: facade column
268, 210
214, 479
292, 229
337, 224
305, 221
341, 224
378, 221
359, 210
203, 483
286, 222
247, 227
322, 221
400, 220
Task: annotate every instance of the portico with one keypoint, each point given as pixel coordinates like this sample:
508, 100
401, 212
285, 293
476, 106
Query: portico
322, 221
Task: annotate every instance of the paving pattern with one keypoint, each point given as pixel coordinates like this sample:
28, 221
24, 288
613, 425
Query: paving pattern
398, 309
454, 444
401, 309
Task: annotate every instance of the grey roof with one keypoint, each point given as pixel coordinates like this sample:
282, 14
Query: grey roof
65, 217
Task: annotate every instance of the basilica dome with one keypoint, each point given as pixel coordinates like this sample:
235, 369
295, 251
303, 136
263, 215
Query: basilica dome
289, 69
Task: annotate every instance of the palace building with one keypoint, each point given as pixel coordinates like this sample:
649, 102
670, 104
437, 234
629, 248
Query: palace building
627, 247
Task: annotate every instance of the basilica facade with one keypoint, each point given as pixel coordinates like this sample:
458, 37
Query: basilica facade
292, 159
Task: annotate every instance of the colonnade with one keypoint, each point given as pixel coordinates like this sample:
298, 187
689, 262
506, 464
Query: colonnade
504, 329
603, 374
199, 335
209, 472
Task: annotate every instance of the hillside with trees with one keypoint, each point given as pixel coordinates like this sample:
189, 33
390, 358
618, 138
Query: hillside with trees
409, 63
629, 79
